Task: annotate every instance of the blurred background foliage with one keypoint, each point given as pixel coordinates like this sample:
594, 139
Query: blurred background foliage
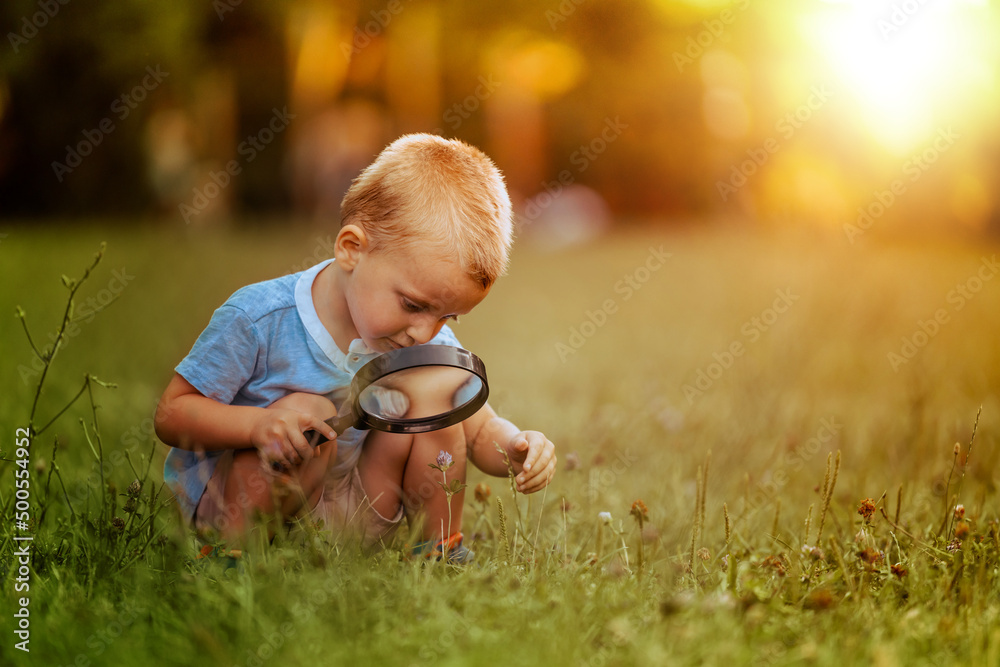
778, 111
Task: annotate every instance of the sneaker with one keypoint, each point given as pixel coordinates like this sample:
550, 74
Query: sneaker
457, 554
217, 555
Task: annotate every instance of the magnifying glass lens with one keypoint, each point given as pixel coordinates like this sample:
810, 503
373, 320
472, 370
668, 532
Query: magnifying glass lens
420, 393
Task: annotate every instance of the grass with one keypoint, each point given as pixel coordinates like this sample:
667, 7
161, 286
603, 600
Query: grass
737, 476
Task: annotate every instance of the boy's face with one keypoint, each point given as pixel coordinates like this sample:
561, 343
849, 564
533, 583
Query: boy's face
403, 297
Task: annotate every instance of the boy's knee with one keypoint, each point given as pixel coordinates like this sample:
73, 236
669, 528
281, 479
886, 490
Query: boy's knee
312, 404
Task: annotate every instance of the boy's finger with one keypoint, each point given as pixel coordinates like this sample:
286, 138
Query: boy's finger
319, 433
532, 456
539, 481
300, 446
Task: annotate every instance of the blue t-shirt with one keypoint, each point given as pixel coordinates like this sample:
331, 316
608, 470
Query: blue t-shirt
265, 342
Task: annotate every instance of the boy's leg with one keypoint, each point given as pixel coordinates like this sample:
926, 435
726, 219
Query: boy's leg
395, 468
241, 487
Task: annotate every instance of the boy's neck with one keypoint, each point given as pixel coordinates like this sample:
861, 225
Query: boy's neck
331, 306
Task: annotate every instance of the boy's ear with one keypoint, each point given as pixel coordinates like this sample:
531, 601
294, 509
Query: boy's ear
351, 244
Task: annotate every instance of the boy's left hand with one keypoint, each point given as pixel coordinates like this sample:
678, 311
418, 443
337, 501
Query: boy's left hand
533, 457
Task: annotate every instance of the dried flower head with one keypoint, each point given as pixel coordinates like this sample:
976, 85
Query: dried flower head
867, 508
899, 570
959, 512
483, 492
704, 553
118, 524
572, 461
961, 530
776, 562
40, 465
813, 552
818, 599
129, 505
605, 517
869, 555
958, 449
134, 489
640, 511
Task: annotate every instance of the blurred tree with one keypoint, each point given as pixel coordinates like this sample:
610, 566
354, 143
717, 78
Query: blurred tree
79, 79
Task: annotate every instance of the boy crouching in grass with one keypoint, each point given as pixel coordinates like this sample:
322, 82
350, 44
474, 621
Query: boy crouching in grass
425, 232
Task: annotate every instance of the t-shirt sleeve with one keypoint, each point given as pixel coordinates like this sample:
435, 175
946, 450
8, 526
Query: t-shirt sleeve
224, 357
445, 337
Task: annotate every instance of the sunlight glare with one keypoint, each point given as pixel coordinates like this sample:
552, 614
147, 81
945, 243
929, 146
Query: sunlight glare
907, 69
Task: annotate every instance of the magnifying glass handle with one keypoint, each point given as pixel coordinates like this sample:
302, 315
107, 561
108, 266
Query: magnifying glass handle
338, 424
341, 424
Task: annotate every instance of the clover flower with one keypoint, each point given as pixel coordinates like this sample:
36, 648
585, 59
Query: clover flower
444, 460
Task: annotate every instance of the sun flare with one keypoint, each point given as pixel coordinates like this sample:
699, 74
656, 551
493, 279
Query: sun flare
910, 65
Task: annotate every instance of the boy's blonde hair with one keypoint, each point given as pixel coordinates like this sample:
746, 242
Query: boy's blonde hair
424, 188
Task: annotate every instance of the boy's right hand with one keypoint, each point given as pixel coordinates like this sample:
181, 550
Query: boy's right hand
277, 434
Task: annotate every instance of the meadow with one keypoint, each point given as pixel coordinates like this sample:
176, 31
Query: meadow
776, 447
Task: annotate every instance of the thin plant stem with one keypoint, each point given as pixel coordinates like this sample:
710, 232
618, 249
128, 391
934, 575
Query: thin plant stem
965, 466
47, 359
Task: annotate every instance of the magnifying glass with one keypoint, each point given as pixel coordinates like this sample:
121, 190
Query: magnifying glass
413, 390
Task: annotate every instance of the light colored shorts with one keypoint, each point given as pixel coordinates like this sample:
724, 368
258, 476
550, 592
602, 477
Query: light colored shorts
343, 507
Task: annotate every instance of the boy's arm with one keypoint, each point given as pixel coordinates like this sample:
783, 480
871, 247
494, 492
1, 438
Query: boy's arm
531, 454
187, 419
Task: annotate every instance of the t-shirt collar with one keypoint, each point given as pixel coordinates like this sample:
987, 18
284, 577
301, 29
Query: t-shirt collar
358, 353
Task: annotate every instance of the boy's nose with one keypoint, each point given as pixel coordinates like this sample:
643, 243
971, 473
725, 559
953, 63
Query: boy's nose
421, 332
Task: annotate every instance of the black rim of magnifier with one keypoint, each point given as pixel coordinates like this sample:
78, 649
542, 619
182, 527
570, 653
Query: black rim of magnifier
416, 357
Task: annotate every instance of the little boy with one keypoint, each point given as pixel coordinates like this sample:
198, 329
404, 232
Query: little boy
425, 231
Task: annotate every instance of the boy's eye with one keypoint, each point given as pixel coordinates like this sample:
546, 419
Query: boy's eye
410, 306
453, 318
